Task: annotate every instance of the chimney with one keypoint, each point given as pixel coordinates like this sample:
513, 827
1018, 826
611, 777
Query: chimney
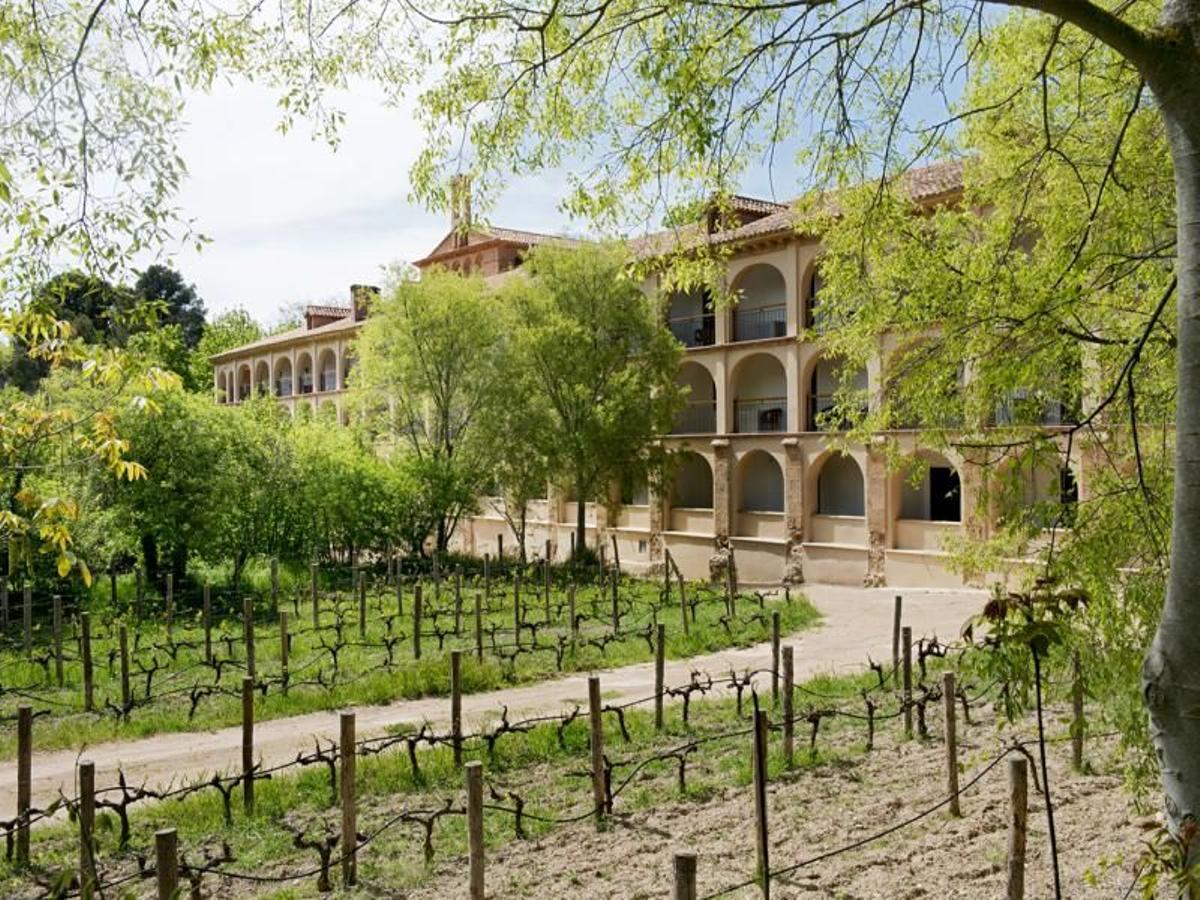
361, 296
460, 208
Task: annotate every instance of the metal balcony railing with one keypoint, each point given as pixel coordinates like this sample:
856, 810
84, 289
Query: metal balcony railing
694, 331
306, 384
766, 414
283, 387
818, 407
759, 323
698, 417
328, 381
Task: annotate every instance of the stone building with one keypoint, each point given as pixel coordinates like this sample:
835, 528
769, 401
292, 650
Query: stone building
756, 473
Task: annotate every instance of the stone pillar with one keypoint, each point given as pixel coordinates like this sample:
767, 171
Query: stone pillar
722, 393
791, 368
793, 511
877, 515
722, 495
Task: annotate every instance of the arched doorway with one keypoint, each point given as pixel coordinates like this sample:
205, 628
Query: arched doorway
699, 415
761, 310
759, 395
759, 492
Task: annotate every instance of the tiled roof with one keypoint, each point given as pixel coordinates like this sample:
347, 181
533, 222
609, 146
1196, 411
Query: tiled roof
322, 310
287, 337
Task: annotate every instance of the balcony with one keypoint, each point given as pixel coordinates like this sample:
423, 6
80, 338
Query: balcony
759, 323
699, 417
283, 387
306, 384
694, 331
819, 405
761, 415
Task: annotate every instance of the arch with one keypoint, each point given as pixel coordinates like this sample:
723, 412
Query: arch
222, 387
930, 490
262, 377
761, 310
759, 395
304, 373
693, 484
691, 318
283, 377
1046, 493
635, 490
813, 282
327, 371
841, 487
699, 414
347, 364
243, 382
825, 383
759, 483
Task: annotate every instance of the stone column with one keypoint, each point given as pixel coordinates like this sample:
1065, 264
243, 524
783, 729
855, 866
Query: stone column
791, 368
877, 515
722, 394
722, 473
793, 511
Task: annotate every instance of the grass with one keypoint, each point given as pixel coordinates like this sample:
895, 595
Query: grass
548, 774
374, 669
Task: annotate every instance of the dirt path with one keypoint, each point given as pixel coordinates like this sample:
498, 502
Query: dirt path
857, 622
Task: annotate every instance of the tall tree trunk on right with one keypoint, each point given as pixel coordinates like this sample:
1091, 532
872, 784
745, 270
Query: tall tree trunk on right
580, 520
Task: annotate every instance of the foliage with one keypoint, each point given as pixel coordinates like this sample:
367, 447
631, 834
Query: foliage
228, 330
181, 305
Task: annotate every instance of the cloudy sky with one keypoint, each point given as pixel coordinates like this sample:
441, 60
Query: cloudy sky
293, 221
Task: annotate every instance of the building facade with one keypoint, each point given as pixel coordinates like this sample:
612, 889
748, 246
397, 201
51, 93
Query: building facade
757, 475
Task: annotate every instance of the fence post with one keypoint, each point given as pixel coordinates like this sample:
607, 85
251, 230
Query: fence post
685, 876
1018, 793
166, 863
775, 657
760, 801
283, 649
24, 780
500, 548
207, 623
85, 651
666, 575
313, 577
896, 618
475, 828
1076, 713
27, 614
248, 744
596, 721
56, 637
683, 605
346, 750
660, 654
948, 704
170, 608
906, 696
248, 632
123, 642
456, 704
87, 827
361, 587
729, 601
478, 627
789, 724
416, 637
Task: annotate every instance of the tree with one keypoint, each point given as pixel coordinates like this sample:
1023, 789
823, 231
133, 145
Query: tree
593, 347
427, 365
228, 330
182, 306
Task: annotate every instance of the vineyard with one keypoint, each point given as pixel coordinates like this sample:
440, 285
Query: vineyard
712, 764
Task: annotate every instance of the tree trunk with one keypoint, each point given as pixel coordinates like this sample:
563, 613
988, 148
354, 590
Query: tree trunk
580, 519
179, 559
1171, 672
150, 558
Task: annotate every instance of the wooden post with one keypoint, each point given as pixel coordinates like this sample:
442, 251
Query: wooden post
948, 704
362, 606
596, 720
85, 651
170, 608
666, 576
346, 753
416, 637
789, 725
24, 780
456, 704
683, 604
313, 578
1076, 713
283, 649
478, 627
517, 608
896, 639
123, 642
660, 657
207, 623
166, 863
616, 610
475, 828
906, 674
685, 876
775, 657
248, 632
729, 601
87, 828
760, 801
248, 744
616, 556
27, 614
1018, 794
56, 637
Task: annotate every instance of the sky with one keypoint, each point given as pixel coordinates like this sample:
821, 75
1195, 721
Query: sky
292, 220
